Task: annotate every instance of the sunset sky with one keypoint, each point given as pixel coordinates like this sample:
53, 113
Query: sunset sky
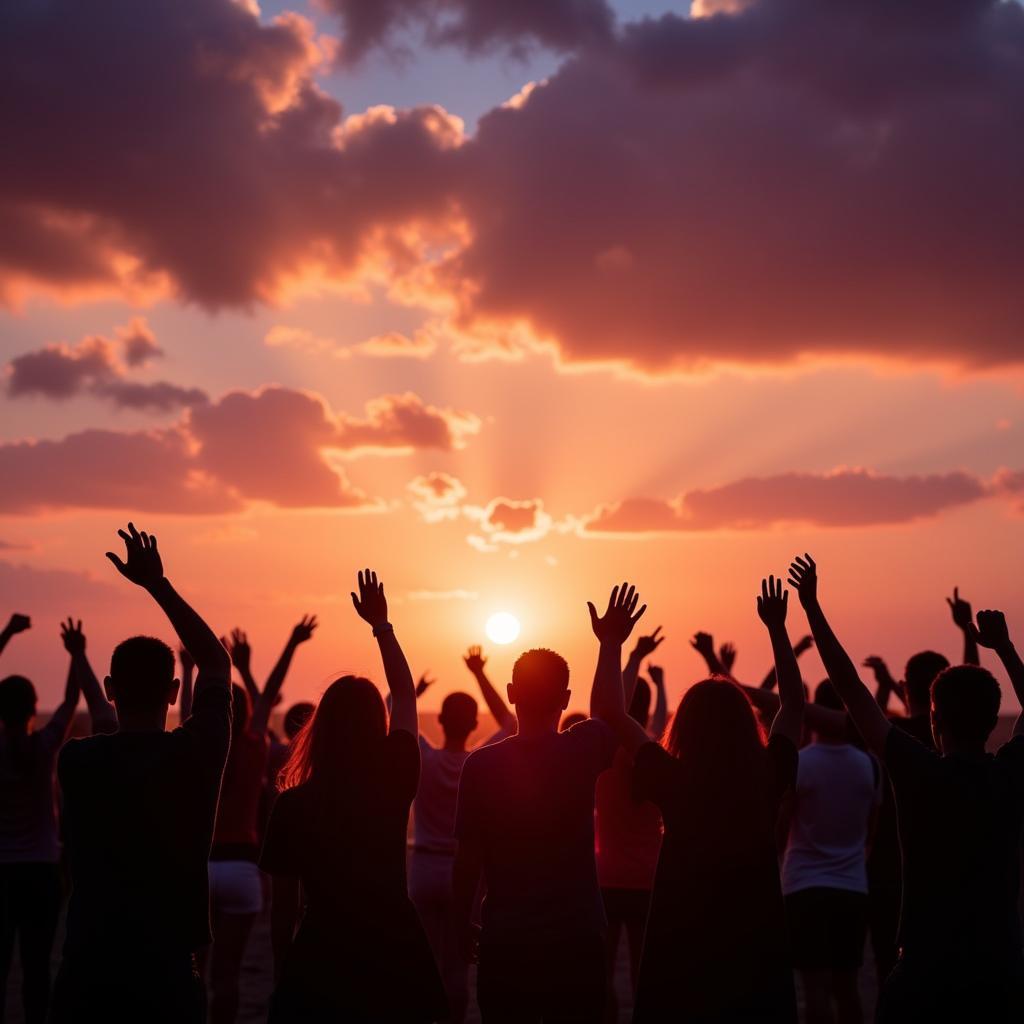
511, 300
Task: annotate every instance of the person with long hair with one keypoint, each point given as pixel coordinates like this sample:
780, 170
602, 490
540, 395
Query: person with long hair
337, 837
715, 948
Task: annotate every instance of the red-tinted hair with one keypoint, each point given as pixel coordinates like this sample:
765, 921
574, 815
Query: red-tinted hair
348, 723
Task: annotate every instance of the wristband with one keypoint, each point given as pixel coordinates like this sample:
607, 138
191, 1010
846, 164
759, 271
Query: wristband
384, 627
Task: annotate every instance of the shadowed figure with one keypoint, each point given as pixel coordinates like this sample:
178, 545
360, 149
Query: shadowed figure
716, 946
960, 812
525, 822
336, 843
139, 809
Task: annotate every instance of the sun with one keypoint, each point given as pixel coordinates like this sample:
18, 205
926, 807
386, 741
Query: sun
502, 628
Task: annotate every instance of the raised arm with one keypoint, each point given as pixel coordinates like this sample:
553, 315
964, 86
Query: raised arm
867, 716
645, 646
659, 718
772, 605
101, 711
265, 701
992, 632
16, 624
500, 711
371, 605
704, 645
143, 567
59, 725
802, 646
241, 657
963, 620
607, 698
885, 684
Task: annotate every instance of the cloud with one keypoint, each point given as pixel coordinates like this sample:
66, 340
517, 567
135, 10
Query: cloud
61, 371
798, 180
472, 25
204, 162
421, 345
845, 497
404, 422
303, 340
793, 181
439, 496
505, 521
276, 445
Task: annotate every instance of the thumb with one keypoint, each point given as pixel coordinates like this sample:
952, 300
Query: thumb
593, 614
118, 564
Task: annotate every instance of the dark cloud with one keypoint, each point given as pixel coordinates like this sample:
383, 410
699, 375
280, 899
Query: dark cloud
61, 371
847, 497
473, 25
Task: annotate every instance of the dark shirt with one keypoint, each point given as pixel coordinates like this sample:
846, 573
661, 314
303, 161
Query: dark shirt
360, 952
529, 802
716, 936
139, 810
960, 823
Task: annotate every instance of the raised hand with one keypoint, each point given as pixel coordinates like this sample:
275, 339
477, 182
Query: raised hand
620, 616
960, 610
803, 645
239, 649
727, 656
703, 644
73, 637
474, 659
142, 564
647, 645
657, 674
803, 578
991, 630
423, 684
17, 623
881, 671
304, 630
371, 605
772, 603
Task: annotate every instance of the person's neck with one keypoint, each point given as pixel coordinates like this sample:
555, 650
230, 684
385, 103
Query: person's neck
950, 746
537, 725
455, 744
141, 721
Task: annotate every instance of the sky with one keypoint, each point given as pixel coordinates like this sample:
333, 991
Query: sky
511, 301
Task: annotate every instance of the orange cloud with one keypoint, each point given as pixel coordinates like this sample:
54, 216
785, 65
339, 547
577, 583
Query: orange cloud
846, 497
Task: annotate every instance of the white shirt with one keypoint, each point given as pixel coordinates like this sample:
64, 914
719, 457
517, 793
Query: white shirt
837, 787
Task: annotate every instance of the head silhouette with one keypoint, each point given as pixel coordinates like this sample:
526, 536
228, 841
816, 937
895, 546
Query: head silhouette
241, 709
540, 684
296, 717
458, 717
17, 702
965, 707
825, 696
348, 724
141, 676
918, 676
571, 719
640, 705
715, 732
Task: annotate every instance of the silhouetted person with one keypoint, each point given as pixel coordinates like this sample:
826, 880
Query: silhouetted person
338, 830
824, 870
30, 884
525, 822
884, 886
628, 836
139, 808
236, 885
960, 813
715, 948
433, 852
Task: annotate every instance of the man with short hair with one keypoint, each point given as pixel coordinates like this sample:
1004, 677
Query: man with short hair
525, 821
139, 810
960, 812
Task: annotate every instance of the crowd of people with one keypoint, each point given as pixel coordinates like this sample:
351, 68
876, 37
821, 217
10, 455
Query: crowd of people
756, 836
